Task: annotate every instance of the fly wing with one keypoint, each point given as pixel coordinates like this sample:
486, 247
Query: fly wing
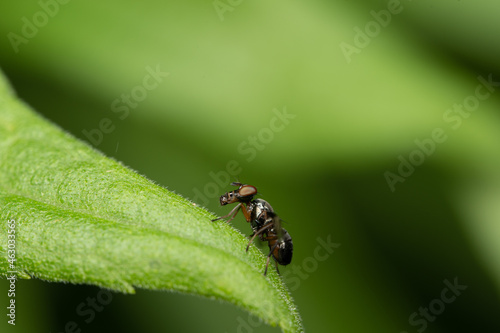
283, 251
276, 224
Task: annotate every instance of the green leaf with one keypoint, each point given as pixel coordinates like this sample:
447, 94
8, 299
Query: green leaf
81, 217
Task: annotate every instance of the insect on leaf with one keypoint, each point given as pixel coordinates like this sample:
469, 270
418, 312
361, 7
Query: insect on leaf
84, 218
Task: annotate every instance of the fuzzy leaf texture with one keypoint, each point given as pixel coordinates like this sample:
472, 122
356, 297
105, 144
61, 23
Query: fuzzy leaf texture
84, 218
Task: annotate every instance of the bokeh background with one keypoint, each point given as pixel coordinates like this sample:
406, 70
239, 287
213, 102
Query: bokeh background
355, 115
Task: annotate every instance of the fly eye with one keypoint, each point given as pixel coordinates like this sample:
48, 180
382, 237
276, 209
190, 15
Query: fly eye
247, 190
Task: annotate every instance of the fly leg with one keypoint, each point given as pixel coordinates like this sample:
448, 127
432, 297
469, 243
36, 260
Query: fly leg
259, 232
234, 210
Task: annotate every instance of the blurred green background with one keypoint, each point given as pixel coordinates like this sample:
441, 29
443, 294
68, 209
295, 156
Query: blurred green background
362, 83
